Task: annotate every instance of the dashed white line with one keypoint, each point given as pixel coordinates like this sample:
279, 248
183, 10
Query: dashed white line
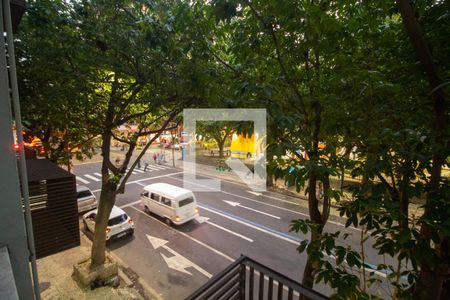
251, 226
268, 204
230, 231
82, 180
92, 177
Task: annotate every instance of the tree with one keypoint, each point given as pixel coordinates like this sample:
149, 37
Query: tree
346, 76
147, 71
54, 87
220, 131
293, 93
123, 63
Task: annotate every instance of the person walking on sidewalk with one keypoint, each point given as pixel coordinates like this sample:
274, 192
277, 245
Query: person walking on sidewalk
139, 163
154, 157
145, 165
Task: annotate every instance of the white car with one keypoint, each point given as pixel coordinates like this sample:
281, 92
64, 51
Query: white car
85, 199
119, 223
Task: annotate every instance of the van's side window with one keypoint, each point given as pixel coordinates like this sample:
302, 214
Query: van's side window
145, 194
154, 197
166, 201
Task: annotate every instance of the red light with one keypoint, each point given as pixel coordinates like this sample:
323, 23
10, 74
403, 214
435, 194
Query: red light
107, 230
16, 147
130, 221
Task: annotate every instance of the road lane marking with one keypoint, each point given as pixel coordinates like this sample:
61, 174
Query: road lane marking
201, 220
152, 168
132, 172
177, 261
270, 231
156, 167
281, 235
234, 204
271, 197
98, 174
144, 179
189, 237
268, 204
139, 171
82, 180
230, 231
259, 227
91, 177
130, 204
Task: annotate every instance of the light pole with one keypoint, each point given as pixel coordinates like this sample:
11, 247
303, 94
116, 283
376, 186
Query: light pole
173, 149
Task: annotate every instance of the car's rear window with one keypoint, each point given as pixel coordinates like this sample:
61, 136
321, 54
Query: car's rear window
186, 201
118, 220
82, 194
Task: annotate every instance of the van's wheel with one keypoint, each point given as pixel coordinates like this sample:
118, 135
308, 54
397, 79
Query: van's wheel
146, 209
168, 222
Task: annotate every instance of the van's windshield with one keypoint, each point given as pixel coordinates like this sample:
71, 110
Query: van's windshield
186, 201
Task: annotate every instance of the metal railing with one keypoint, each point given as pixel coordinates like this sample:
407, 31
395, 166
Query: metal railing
246, 279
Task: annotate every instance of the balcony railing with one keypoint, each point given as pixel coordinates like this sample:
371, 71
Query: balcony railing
246, 279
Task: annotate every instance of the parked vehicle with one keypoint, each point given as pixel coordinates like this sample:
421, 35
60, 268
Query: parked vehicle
176, 205
86, 199
119, 223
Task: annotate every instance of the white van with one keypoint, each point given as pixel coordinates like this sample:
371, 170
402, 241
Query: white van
176, 205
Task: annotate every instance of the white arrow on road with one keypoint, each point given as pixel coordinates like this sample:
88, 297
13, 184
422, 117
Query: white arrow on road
177, 261
249, 208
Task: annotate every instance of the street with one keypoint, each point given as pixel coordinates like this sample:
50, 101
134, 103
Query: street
176, 260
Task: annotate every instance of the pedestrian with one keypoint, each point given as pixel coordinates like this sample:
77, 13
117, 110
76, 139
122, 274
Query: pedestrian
154, 157
158, 159
145, 165
139, 163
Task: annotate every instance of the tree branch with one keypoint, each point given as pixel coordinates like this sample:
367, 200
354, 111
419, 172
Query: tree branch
291, 83
121, 188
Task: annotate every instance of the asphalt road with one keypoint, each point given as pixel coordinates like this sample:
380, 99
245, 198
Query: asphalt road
177, 260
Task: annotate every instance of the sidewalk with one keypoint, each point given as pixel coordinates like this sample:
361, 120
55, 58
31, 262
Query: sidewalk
56, 281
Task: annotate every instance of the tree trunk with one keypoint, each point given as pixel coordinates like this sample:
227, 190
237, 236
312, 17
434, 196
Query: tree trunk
105, 203
313, 202
311, 266
221, 145
107, 199
430, 280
